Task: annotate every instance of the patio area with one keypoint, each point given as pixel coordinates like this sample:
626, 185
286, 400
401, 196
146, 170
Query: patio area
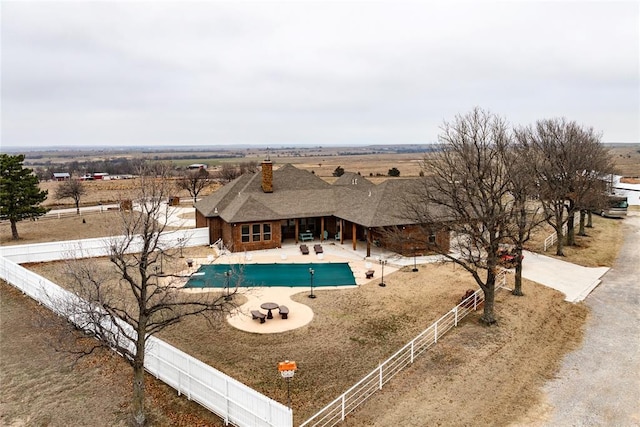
302, 314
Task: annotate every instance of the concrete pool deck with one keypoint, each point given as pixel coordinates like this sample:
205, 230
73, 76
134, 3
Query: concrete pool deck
299, 314
574, 281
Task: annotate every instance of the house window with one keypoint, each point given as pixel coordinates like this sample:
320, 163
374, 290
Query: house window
432, 238
245, 234
256, 232
266, 231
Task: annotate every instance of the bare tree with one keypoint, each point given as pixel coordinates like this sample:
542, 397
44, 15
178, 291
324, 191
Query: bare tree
71, 189
194, 181
570, 165
132, 298
465, 188
526, 211
228, 172
248, 167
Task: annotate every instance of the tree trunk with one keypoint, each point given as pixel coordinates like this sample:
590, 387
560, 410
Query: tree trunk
581, 231
14, 230
488, 317
560, 242
589, 219
571, 232
138, 412
517, 288
78, 207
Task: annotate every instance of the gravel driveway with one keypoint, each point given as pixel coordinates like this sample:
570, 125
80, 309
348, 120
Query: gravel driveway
599, 384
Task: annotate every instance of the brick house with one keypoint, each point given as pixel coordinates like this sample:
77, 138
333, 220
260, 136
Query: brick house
261, 210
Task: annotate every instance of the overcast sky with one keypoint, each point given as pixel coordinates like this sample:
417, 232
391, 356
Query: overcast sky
322, 73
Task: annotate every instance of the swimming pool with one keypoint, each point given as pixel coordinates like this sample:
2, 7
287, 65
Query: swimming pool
288, 275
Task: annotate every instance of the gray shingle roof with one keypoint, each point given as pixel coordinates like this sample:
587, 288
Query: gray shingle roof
300, 194
353, 180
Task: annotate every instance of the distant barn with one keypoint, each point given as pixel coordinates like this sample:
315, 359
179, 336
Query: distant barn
61, 176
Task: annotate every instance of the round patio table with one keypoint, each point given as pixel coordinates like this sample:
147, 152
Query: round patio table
269, 306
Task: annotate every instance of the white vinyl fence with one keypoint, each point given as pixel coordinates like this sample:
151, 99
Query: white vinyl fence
89, 248
233, 401
336, 411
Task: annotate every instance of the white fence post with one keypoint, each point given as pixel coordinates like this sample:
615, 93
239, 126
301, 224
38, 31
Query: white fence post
455, 313
435, 332
412, 345
380, 382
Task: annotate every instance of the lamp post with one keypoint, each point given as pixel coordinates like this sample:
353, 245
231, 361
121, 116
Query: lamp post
181, 244
311, 272
415, 268
161, 259
227, 276
382, 263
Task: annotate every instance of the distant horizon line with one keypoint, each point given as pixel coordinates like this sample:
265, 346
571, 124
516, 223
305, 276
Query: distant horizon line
10, 148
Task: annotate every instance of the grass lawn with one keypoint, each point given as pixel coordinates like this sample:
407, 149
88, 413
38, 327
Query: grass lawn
352, 331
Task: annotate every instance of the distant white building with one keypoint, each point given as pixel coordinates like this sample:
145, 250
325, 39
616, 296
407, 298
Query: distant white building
632, 191
197, 166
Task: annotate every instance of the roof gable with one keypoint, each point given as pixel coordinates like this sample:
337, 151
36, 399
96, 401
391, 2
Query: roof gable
353, 180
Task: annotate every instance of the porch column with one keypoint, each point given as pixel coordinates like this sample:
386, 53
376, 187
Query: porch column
368, 242
297, 231
354, 237
341, 231
321, 229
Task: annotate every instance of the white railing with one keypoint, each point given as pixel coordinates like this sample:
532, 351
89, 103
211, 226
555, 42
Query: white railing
553, 238
336, 411
233, 401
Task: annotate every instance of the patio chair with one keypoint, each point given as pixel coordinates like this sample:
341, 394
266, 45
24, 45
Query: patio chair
318, 249
304, 249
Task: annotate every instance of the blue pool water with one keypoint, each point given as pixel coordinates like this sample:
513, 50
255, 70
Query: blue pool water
289, 275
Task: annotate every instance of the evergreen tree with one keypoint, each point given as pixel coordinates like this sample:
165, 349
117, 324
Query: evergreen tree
20, 196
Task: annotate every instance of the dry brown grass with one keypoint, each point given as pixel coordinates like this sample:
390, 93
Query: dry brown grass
627, 159
41, 386
599, 248
110, 191
351, 332
54, 229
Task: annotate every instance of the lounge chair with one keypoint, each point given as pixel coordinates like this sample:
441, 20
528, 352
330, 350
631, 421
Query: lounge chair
304, 249
318, 249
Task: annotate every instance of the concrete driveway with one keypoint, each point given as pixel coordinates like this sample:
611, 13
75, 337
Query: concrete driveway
575, 281
599, 384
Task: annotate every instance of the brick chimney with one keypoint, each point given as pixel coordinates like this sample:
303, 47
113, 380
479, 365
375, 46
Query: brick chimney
267, 176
